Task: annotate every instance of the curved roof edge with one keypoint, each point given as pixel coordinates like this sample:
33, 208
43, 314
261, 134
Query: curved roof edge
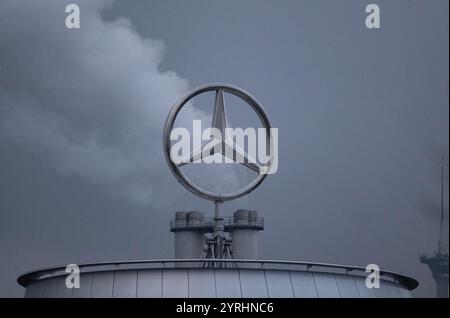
30, 277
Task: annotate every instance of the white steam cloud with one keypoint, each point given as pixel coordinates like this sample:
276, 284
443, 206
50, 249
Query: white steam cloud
92, 100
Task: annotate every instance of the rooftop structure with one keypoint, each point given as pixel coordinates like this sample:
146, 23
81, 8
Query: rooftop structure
218, 256
438, 262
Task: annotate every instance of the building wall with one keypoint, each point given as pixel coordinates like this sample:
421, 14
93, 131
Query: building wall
211, 283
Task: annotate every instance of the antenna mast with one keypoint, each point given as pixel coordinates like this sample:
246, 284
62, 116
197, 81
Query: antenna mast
442, 239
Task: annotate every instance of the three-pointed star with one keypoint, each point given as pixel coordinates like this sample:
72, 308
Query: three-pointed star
224, 146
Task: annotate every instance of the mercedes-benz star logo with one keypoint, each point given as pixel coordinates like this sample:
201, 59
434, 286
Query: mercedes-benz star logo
222, 143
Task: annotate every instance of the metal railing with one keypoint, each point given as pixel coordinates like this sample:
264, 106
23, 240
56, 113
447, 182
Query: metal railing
406, 281
207, 224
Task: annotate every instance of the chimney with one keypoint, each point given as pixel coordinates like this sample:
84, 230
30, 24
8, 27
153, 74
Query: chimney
189, 238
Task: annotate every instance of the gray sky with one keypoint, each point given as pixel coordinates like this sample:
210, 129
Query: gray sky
362, 118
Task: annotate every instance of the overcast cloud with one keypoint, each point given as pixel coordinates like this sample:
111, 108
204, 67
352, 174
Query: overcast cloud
362, 118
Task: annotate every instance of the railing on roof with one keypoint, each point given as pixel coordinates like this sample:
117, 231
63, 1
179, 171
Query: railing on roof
28, 278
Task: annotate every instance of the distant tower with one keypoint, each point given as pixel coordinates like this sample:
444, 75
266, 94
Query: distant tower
438, 263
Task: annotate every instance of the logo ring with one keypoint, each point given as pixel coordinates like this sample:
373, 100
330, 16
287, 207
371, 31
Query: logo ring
178, 173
